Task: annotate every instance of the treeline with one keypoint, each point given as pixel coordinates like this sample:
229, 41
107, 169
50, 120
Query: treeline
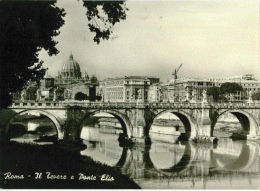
226, 90
80, 96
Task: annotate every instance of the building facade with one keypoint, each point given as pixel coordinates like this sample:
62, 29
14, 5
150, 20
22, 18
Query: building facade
126, 89
191, 89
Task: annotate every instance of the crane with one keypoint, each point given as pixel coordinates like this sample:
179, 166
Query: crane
176, 71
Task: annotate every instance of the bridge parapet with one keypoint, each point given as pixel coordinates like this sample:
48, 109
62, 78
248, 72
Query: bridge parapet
236, 105
140, 105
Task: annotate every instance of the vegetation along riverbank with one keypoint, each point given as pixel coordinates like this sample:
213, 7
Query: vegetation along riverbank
52, 166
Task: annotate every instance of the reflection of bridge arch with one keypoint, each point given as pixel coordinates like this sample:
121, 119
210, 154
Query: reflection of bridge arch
190, 125
125, 160
123, 120
244, 162
247, 121
183, 163
42, 112
111, 149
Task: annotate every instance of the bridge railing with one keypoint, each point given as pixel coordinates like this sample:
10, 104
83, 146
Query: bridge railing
35, 104
87, 104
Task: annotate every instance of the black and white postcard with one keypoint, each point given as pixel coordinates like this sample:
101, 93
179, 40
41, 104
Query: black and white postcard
129, 94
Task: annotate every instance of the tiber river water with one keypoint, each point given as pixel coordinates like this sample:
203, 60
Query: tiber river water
167, 164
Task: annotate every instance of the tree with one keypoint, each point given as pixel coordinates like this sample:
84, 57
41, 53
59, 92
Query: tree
230, 88
256, 95
29, 26
80, 96
26, 28
107, 12
214, 92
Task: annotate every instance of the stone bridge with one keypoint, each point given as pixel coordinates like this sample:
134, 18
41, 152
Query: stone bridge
136, 118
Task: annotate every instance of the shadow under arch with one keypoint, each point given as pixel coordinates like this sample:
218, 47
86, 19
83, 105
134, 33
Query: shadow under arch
183, 163
248, 123
125, 123
189, 123
54, 120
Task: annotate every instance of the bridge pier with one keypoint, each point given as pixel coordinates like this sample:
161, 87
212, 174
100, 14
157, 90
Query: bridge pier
205, 124
141, 120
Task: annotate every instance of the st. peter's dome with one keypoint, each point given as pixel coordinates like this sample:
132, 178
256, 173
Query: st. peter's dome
71, 69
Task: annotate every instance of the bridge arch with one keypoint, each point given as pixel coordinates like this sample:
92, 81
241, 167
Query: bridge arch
190, 125
55, 121
247, 121
122, 118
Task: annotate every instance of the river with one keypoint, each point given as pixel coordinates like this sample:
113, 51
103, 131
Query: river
169, 164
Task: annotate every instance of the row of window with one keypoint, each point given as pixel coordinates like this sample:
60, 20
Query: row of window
114, 83
250, 84
115, 89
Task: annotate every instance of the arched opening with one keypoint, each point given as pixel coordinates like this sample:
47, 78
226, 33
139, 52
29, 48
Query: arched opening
110, 119
34, 126
100, 131
234, 124
171, 126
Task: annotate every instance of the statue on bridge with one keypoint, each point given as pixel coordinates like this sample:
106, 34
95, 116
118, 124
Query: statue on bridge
132, 95
204, 94
54, 95
23, 95
250, 100
139, 94
193, 96
38, 95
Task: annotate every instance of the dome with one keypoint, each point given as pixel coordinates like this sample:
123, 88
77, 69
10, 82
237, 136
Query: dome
71, 68
71, 64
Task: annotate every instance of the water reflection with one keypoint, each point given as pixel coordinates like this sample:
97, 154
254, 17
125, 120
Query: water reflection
101, 146
165, 162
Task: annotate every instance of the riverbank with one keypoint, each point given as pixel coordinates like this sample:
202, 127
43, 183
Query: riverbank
53, 167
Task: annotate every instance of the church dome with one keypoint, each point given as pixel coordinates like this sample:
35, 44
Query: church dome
71, 68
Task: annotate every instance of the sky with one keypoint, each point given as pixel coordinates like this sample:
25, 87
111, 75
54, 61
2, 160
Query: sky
212, 39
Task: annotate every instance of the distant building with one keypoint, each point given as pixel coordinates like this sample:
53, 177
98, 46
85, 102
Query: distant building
156, 93
128, 88
187, 89
46, 88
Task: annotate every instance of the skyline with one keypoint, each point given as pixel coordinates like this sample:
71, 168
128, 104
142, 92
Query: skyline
211, 39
